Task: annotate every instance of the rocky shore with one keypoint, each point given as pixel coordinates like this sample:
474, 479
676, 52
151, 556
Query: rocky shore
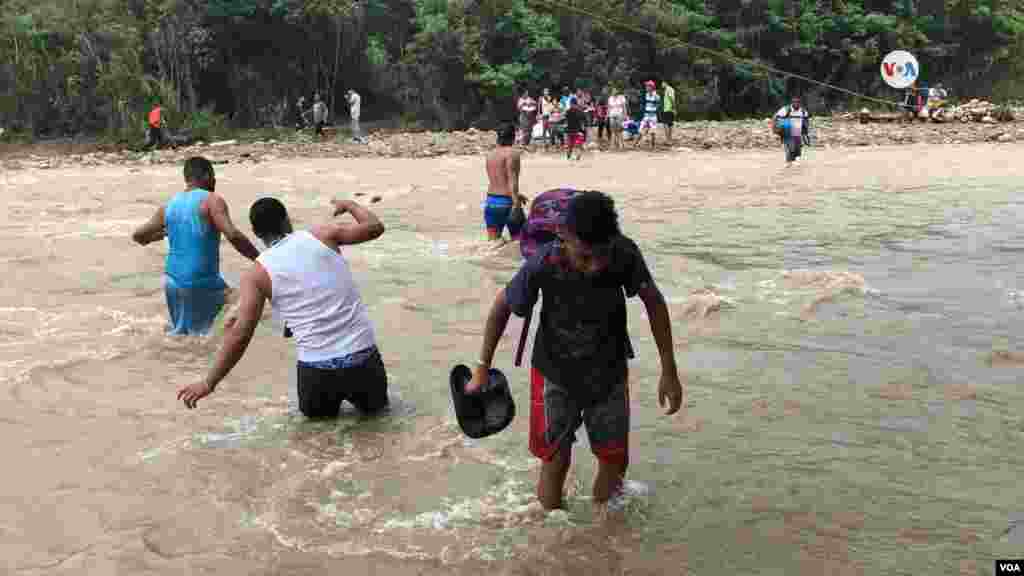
832, 132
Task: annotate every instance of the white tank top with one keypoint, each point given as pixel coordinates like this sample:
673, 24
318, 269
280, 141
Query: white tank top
312, 290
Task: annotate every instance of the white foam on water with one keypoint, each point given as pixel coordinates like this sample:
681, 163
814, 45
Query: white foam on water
633, 497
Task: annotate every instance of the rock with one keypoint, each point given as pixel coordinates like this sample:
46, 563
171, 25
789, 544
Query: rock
1005, 137
224, 143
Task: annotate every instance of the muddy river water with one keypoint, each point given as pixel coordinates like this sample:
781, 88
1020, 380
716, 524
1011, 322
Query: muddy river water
849, 330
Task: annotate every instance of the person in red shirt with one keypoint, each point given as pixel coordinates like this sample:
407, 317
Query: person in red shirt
156, 124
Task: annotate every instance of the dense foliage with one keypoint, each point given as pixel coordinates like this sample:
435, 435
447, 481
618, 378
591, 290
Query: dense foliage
74, 66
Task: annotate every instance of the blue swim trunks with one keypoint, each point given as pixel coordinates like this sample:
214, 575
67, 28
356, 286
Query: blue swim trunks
192, 310
497, 210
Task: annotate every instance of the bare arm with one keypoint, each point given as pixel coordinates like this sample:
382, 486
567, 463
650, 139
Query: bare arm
513, 177
661, 327
497, 320
670, 389
367, 227
152, 231
255, 285
218, 212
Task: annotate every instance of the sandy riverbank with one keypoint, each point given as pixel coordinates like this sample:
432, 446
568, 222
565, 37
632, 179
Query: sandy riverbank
688, 136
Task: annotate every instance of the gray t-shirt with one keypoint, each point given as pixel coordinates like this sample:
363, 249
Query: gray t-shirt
320, 112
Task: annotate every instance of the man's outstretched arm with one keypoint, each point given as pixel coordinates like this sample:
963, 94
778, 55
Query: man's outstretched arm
255, 285
218, 210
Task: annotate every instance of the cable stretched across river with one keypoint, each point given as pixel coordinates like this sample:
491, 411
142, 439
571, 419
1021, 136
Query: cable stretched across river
673, 42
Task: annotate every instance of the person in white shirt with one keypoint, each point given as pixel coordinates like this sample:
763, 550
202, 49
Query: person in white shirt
354, 104
792, 140
308, 282
618, 110
527, 117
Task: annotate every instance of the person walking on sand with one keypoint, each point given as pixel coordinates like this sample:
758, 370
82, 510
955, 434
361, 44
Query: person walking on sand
792, 139
503, 198
649, 125
579, 367
193, 222
308, 282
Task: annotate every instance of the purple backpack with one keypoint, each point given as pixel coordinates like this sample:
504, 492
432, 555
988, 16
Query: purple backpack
546, 212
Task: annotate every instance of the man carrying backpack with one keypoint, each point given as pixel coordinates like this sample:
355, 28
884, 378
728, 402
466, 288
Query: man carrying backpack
798, 121
580, 356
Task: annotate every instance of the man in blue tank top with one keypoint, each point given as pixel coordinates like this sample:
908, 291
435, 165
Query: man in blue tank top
193, 222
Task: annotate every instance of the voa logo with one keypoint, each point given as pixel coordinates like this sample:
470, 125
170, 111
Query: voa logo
1009, 567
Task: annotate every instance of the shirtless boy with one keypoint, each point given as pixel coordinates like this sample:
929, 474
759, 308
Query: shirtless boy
503, 197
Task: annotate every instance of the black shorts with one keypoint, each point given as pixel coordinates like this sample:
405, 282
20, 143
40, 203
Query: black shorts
668, 118
322, 390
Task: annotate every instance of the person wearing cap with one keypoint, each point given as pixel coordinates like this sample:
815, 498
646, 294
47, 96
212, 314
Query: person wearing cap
579, 366
649, 124
307, 280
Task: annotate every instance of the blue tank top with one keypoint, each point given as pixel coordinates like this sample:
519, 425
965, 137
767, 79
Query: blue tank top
193, 260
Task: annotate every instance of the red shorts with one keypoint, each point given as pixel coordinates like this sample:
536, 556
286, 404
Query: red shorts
576, 139
555, 416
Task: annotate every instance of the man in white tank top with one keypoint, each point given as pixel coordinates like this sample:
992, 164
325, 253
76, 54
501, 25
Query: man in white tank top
309, 285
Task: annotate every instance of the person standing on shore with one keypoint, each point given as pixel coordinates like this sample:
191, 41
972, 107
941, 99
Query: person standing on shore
155, 125
575, 129
193, 222
354, 105
527, 117
618, 111
649, 125
503, 198
547, 106
668, 109
319, 114
794, 116
300, 113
